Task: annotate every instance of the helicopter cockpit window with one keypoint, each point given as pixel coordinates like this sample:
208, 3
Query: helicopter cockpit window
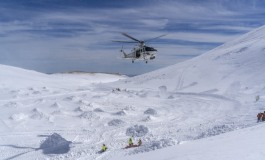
150, 49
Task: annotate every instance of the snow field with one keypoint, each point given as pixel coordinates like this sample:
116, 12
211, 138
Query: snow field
89, 119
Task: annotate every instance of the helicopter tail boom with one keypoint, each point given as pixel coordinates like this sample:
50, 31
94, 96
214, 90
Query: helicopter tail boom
124, 54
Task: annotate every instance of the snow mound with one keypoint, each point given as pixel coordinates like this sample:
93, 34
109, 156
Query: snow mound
18, 117
216, 130
56, 105
115, 122
82, 108
57, 112
89, 115
129, 108
55, 144
36, 92
72, 98
98, 110
15, 91
37, 114
120, 113
162, 89
153, 145
137, 131
171, 97
40, 100
148, 118
83, 102
13, 104
142, 94
150, 111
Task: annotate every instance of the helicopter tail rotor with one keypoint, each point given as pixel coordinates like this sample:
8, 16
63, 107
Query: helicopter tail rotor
124, 54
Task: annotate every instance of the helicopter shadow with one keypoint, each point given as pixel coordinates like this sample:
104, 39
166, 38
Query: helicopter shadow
52, 145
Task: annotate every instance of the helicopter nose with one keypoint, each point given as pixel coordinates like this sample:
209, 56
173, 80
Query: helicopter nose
153, 49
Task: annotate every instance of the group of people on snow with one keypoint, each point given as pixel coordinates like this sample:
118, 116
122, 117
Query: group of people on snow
130, 144
261, 117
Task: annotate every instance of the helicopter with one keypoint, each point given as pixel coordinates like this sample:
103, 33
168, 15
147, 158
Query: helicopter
140, 51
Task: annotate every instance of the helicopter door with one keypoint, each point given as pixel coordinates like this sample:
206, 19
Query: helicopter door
143, 52
138, 53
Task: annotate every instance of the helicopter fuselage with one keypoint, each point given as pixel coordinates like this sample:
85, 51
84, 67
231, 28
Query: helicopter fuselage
141, 53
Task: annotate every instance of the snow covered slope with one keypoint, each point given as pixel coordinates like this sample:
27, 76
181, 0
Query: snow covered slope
245, 144
71, 116
21, 78
17, 77
14, 80
237, 65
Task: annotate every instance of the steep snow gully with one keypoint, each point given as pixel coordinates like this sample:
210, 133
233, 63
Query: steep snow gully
54, 117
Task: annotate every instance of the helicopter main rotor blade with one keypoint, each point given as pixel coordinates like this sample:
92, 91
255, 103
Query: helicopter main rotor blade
126, 35
125, 41
155, 38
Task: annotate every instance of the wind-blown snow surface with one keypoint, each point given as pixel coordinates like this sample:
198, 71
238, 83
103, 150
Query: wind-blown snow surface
71, 116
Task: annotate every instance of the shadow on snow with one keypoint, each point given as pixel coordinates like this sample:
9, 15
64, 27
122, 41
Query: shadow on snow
53, 144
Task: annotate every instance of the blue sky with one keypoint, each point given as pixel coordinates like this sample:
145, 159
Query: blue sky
76, 35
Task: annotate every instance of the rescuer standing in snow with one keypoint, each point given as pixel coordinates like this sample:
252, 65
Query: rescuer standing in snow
104, 148
139, 142
259, 116
130, 142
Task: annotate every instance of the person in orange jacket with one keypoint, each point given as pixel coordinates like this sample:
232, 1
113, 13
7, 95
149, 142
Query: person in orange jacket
259, 116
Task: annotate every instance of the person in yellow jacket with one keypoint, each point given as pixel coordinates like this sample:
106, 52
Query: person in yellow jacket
104, 148
130, 142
